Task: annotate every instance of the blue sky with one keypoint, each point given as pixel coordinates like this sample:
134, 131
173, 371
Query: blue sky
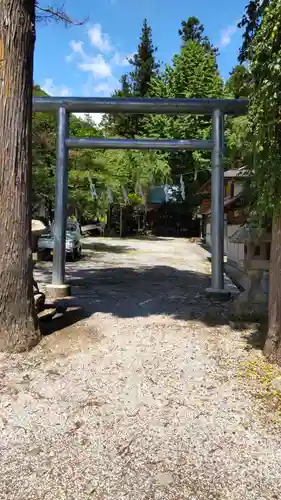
88, 60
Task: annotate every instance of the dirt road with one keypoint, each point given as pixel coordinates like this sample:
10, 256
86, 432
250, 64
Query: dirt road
140, 396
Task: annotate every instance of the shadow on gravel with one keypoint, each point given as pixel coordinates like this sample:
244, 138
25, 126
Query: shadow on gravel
104, 248
256, 337
159, 290
146, 237
64, 319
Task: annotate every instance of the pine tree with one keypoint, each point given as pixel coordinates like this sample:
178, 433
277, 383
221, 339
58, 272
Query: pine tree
192, 74
144, 63
136, 84
121, 124
193, 30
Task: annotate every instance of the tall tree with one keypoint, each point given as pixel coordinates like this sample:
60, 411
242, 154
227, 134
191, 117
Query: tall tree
238, 84
136, 84
121, 124
193, 30
145, 65
193, 73
239, 150
263, 47
18, 323
251, 22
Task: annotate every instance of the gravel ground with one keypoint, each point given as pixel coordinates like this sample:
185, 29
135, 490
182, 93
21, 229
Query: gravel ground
139, 398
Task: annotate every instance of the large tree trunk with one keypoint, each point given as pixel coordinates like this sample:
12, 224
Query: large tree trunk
18, 324
273, 342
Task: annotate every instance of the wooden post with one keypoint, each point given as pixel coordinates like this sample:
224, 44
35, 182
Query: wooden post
121, 222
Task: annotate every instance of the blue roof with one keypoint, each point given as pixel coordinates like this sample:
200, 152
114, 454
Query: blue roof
157, 195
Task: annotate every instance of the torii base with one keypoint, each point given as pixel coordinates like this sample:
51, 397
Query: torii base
58, 291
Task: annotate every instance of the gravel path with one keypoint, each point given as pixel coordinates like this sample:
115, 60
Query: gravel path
140, 398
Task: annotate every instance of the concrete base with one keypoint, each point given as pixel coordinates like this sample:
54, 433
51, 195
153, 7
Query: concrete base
58, 291
218, 294
251, 304
237, 275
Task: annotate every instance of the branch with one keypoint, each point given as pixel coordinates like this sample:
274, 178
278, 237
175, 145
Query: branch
50, 13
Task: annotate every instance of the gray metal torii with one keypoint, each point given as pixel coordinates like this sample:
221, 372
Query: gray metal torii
216, 108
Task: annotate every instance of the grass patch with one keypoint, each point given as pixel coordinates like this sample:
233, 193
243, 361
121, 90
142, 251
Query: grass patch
265, 373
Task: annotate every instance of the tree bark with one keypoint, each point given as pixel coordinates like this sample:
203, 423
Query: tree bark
18, 322
272, 347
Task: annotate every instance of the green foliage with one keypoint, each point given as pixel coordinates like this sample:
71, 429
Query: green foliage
193, 73
44, 160
239, 82
264, 112
121, 125
104, 169
44, 153
193, 30
239, 142
130, 169
238, 130
144, 63
135, 84
251, 22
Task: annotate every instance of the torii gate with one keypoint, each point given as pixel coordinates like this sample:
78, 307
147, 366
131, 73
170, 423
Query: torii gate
217, 108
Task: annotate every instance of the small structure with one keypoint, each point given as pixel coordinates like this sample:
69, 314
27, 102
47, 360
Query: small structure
37, 228
255, 262
236, 212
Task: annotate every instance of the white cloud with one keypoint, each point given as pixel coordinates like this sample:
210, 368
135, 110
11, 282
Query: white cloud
53, 90
226, 35
95, 117
107, 88
120, 60
63, 91
100, 60
103, 88
98, 66
100, 40
76, 48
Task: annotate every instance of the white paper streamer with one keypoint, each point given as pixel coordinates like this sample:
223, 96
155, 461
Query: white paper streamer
182, 187
109, 195
125, 195
92, 189
139, 191
166, 191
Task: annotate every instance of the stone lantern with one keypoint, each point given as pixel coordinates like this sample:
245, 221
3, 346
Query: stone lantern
253, 301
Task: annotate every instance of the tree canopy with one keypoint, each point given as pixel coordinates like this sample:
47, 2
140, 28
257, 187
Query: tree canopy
264, 115
261, 50
91, 173
238, 84
193, 30
193, 72
144, 66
